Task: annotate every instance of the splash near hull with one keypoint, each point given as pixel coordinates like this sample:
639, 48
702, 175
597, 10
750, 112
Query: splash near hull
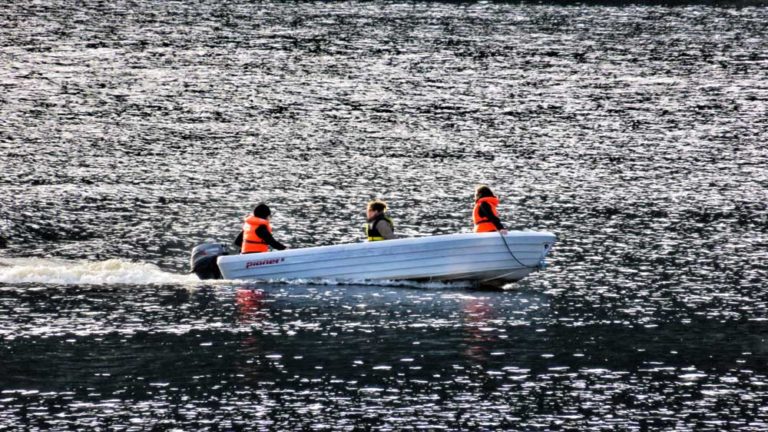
485, 259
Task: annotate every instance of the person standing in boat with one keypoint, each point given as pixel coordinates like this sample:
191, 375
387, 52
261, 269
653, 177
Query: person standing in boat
485, 217
378, 225
256, 235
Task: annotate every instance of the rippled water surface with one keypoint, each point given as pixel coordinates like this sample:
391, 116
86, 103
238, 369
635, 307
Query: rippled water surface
131, 131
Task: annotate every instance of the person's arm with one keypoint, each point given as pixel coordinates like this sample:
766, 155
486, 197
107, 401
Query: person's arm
239, 240
264, 233
385, 229
486, 212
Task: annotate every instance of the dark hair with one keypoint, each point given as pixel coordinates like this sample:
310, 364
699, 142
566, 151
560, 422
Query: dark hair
483, 191
262, 211
377, 205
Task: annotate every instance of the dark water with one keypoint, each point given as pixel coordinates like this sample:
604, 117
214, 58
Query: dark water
130, 131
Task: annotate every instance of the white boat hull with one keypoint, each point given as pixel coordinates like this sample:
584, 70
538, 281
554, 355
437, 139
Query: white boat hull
483, 258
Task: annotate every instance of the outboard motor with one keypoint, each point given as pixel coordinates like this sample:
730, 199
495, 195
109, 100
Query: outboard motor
203, 260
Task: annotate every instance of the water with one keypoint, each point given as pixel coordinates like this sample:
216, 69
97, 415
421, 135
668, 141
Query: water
131, 131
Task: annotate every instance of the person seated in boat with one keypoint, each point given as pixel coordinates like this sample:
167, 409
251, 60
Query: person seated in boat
485, 217
256, 235
378, 225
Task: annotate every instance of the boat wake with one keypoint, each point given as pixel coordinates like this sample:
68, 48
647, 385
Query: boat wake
83, 272
125, 272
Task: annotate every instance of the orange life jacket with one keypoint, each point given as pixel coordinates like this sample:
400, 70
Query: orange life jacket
482, 224
251, 241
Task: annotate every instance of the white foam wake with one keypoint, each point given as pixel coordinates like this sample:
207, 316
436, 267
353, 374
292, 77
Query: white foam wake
76, 272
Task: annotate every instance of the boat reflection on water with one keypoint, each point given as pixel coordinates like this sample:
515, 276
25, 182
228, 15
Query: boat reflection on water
480, 335
250, 302
499, 325
250, 314
360, 332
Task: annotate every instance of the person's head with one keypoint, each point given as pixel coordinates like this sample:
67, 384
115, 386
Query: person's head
375, 208
262, 211
483, 191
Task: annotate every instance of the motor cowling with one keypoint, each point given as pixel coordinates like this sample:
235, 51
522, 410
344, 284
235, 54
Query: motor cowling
202, 261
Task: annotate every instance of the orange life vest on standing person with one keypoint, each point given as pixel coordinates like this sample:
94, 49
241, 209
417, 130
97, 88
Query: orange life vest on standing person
251, 241
482, 224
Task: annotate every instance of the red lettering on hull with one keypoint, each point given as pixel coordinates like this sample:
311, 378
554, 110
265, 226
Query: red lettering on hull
258, 263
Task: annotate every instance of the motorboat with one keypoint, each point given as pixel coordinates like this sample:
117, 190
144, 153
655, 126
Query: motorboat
485, 259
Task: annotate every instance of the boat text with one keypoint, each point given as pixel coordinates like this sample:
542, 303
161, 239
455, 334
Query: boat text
258, 263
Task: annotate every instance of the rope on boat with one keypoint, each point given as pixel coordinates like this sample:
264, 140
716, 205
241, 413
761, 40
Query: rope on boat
503, 239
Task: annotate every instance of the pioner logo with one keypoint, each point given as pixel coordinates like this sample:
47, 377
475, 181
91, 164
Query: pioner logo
258, 263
